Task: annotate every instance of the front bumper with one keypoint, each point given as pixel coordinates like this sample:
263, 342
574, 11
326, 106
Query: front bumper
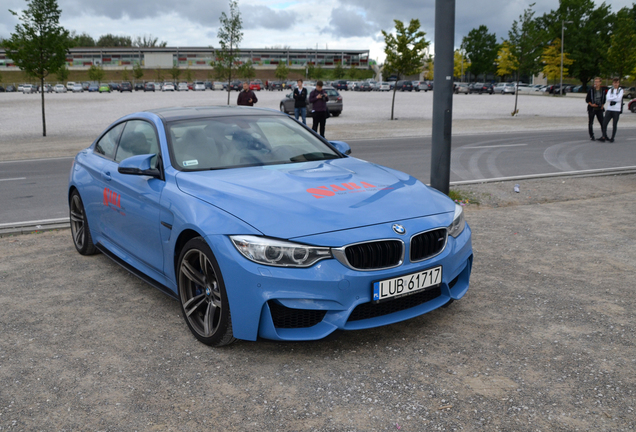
292, 304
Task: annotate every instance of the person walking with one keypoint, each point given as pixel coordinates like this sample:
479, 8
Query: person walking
247, 96
300, 102
595, 100
318, 97
614, 109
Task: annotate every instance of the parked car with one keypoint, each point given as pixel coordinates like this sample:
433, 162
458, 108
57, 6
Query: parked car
505, 88
85, 85
167, 86
69, 86
104, 88
219, 85
629, 93
384, 86
60, 88
77, 88
260, 228
480, 88
138, 86
631, 105
236, 85
404, 85
334, 104
461, 88
158, 86
182, 87
275, 85
93, 88
524, 88
10, 89
125, 86
149, 87
1, 89
113, 86
366, 86
198, 86
255, 86
28, 88
339, 85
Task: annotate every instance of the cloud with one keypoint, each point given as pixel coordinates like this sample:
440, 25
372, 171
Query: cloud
347, 22
259, 16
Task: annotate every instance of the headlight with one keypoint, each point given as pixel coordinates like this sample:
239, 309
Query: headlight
279, 253
459, 222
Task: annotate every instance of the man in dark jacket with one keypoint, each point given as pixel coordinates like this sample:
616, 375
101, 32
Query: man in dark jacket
300, 102
247, 96
318, 97
595, 100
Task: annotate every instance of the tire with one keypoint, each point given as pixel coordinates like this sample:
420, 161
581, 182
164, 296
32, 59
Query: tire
80, 231
202, 294
282, 108
633, 108
336, 114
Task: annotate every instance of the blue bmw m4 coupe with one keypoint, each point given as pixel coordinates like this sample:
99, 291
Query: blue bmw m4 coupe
261, 228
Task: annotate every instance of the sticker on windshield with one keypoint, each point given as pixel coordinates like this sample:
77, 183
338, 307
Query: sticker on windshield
190, 163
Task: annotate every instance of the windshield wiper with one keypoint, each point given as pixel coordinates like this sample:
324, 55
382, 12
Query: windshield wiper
312, 157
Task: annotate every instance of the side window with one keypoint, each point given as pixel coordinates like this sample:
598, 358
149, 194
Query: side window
107, 144
139, 138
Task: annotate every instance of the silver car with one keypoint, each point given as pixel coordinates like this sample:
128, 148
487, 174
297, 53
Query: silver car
334, 104
505, 88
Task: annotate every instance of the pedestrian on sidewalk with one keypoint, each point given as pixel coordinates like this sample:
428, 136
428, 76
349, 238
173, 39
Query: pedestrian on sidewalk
614, 109
318, 97
595, 101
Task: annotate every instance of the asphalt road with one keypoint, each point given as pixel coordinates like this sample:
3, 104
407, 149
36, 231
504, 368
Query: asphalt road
33, 190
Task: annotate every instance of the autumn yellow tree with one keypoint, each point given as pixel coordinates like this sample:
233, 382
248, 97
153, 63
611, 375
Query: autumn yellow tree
458, 70
506, 62
551, 59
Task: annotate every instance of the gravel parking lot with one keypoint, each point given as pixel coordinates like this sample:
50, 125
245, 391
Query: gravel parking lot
75, 119
543, 340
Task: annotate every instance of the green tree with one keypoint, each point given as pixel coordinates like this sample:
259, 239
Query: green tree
110, 40
138, 72
230, 37
246, 70
148, 41
506, 61
587, 38
621, 56
353, 72
82, 40
552, 60
39, 44
62, 73
481, 48
124, 74
461, 64
159, 75
282, 71
96, 73
188, 74
319, 72
311, 69
338, 71
175, 72
404, 51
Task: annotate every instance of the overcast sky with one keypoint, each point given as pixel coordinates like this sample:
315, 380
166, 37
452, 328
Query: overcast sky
333, 24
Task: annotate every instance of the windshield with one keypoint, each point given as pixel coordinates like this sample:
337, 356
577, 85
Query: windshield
229, 142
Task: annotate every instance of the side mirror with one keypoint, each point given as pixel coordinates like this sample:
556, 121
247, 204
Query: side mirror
139, 165
341, 146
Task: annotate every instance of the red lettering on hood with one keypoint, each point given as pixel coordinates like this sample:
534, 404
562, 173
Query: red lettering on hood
324, 191
320, 192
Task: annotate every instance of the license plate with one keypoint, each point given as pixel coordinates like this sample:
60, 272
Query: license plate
405, 285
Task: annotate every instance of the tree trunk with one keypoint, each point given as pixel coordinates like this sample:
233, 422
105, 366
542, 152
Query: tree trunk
514, 112
43, 116
393, 103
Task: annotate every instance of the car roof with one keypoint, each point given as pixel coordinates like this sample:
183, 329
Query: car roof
186, 113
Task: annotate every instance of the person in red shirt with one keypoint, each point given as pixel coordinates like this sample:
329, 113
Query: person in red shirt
247, 96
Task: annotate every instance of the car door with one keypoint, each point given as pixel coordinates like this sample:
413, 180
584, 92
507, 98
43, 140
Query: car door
132, 220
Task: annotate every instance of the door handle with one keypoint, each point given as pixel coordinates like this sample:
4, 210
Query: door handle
106, 176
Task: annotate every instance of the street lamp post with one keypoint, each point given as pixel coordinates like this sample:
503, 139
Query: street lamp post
562, 43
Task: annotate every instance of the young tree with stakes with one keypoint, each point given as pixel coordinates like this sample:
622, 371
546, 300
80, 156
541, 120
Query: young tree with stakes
230, 37
39, 44
404, 51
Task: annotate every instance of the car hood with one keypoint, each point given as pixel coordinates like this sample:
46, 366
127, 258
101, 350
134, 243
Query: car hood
294, 200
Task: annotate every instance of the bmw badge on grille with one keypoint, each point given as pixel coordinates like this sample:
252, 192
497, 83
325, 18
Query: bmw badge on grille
399, 229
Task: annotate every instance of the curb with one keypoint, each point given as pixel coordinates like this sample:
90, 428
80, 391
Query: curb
16, 228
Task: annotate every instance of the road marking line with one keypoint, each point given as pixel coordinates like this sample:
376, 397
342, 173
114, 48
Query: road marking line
495, 146
11, 179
